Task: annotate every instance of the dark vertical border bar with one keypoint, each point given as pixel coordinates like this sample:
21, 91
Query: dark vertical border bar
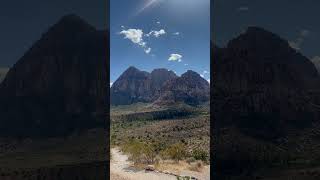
108, 89
212, 154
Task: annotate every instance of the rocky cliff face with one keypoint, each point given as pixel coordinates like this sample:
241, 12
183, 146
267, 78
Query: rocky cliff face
59, 84
161, 86
190, 88
263, 85
138, 86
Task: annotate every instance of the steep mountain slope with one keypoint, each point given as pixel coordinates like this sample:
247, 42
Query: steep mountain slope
190, 88
59, 84
138, 86
263, 85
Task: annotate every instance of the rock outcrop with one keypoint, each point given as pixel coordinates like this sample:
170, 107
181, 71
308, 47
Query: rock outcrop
59, 84
161, 87
190, 88
139, 86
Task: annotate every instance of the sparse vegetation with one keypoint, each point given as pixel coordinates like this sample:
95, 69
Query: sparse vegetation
154, 136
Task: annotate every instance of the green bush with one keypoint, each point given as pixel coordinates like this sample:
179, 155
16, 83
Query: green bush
199, 154
175, 152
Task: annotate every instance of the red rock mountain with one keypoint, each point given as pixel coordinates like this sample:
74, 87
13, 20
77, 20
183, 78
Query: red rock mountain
59, 84
263, 85
160, 86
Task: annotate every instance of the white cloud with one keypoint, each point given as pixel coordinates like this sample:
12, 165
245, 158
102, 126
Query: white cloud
156, 33
296, 44
158, 22
176, 33
135, 35
175, 57
316, 61
243, 8
205, 72
111, 84
202, 75
122, 27
148, 50
305, 33
208, 80
186, 64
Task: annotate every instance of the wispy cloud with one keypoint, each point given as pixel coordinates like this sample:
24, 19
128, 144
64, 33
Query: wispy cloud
296, 44
176, 33
175, 57
243, 8
156, 33
136, 36
148, 50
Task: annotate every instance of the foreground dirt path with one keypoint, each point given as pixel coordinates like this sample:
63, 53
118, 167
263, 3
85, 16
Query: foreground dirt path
120, 169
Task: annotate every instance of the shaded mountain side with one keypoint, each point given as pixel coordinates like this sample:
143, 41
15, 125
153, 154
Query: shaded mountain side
190, 88
138, 86
59, 84
263, 86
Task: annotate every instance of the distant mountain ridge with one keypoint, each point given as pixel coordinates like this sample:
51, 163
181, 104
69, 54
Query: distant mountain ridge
161, 86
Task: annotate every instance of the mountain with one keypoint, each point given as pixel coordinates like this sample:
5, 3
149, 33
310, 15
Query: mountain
59, 84
190, 88
138, 86
160, 86
263, 86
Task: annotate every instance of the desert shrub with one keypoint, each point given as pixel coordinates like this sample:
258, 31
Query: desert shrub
199, 154
175, 152
190, 160
134, 148
140, 152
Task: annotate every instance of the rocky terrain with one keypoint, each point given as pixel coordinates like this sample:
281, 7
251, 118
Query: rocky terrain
59, 84
161, 86
265, 97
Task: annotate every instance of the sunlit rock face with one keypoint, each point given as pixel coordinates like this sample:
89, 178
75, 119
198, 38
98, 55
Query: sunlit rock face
161, 86
139, 86
190, 88
59, 84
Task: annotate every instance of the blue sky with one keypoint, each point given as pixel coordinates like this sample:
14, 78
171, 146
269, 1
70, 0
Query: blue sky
149, 34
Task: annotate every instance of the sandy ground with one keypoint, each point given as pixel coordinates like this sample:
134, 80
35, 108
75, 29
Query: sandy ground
120, 169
